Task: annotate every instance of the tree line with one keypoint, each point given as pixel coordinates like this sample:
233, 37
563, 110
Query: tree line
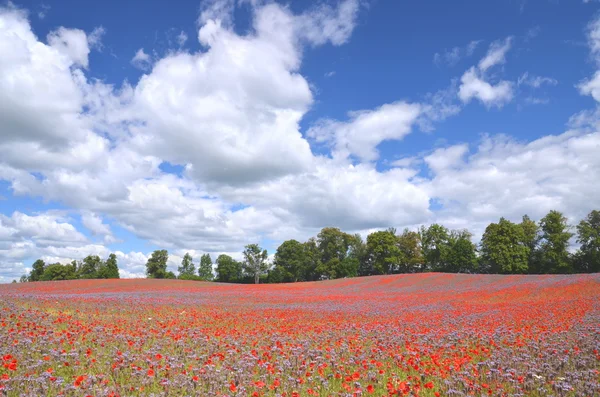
92, 266
527, 247
505, 248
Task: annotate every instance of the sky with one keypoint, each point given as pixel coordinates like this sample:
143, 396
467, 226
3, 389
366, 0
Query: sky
132, 126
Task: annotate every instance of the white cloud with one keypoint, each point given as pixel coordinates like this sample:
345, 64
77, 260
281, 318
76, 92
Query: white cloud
328, 24
593, 32
95, 38
452, 56
182, 38
474, 86
72, 43
366, 129
219, 11
141, 60
504, 177
445, 158
535, 81
496, 54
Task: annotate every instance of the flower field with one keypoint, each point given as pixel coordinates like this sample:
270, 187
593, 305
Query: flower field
425, 334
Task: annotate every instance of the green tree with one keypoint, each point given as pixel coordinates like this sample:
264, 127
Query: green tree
228, 269
555, 236
336, 258
255, 262
462, 255
205, 269
156, 266
312, 259
383, 252
37, 269
531, 239
588, 235
187, 268
411, 258
58, 271
170, 275
90, 266
502, 248
110, 268
435, 245
290, 262
24, 278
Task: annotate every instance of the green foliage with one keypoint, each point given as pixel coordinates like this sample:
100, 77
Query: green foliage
228, 269
37, 269
58, 271
205, 269
435, 245
555, 236
383, 252
503, 250
170, 275
187, 267
156, 266
110, 268
24, 279
334, 248
255, 262
531, 239
90, 266
290, 262
462, 253
411, 258
588, 235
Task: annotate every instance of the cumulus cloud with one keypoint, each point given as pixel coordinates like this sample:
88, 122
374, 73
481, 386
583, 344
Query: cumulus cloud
71, 43
366, 129
475, 84
229, 116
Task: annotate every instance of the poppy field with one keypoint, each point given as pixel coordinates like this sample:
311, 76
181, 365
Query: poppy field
413, 334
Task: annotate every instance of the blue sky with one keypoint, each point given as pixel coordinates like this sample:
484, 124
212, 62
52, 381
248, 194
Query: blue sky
202, 127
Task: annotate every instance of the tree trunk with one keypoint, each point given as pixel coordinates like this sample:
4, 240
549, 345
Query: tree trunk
256, 278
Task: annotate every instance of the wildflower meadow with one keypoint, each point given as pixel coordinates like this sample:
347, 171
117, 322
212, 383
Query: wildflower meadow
414, 334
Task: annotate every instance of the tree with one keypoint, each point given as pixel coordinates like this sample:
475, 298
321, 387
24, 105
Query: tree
187, 268
255, 262
588, 235
205, 269
110, 268
462, 256
228, 269
412, 259
58, 271
334, 246
383, 252
434, 241
290, 262
90, 266
555, 236
37, 269
502, 248
312, 259
156, 266
24, 278
531, 239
